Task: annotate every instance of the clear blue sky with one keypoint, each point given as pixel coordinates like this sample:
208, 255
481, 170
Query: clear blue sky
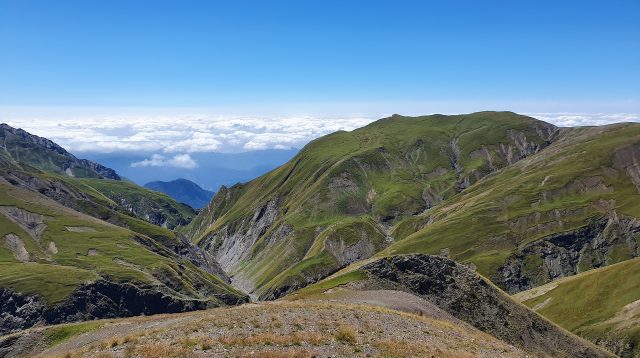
245, 53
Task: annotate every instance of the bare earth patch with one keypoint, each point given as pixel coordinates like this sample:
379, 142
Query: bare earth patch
16, 246
80, 229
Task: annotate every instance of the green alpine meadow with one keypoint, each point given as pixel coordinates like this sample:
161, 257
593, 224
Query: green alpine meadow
319, 179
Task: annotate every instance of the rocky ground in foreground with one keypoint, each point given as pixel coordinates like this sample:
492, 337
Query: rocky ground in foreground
282, 329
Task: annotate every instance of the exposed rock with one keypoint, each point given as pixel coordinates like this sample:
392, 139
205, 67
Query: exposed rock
96, 300
462, 182
30, 222
80, 229
628, 159
568, 253
468, 297
16, 246
431, 198
52, 249
485, 155
182, 248
231, 244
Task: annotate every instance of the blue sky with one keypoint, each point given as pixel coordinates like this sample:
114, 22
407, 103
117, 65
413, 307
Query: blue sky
259, 53
180, 77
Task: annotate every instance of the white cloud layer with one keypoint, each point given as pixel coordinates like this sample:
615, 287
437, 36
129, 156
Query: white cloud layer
176, 136
184, 134
178, 161
585, 119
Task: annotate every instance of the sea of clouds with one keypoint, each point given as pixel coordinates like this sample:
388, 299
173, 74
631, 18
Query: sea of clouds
173, 138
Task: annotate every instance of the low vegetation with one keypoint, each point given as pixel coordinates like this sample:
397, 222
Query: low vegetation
602, 305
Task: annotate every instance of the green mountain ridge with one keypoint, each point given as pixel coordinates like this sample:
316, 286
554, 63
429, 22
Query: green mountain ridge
519, 199
291, 226
77, 245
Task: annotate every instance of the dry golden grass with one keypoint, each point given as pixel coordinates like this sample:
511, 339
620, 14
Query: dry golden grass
161, 350
283, 353
274, 339
299, 330
392, 348
346, 334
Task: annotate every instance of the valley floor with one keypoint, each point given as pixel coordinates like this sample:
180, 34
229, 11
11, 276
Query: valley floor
389, 324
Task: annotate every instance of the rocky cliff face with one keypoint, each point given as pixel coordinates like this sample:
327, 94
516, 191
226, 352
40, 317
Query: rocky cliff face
469, 297
97, 300
600, 243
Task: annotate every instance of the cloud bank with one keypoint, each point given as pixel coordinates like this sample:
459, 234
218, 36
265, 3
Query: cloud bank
180, 135
174, 137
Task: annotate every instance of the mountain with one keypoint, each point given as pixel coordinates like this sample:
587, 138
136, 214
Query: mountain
568, 209
456, 290
602, 305
77, 245
40, 165
402, 306
519, 200
59, 265
212, 170
508, 203
184, 191
46, 155
338, 200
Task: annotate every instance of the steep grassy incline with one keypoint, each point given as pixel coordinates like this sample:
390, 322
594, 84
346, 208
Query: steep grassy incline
602, 305
40, 165
570, 208
59, 265
337, 200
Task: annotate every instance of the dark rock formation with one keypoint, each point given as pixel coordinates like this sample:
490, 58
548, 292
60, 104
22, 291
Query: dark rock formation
571, 252
469, 297
97, 300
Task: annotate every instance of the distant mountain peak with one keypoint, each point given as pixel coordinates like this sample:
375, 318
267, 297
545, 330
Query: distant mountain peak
46, 155
184, 191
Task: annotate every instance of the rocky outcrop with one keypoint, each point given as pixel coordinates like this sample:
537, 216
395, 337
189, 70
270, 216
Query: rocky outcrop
46, 155
232, 243
16, 246
628, 159
52, 189
32, 223
600, 243
469, 297
137, 205
97, 300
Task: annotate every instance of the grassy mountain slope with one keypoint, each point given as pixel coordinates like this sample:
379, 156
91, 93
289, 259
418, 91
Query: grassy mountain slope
50, 252
46, 155
568, 209
602, 305
40, 165
78, 243
336, 201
